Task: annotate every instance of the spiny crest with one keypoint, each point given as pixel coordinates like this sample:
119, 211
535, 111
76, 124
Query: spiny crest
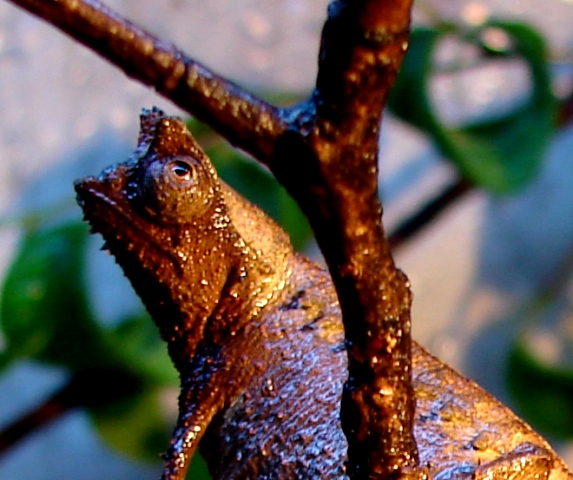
165, 136
147, 132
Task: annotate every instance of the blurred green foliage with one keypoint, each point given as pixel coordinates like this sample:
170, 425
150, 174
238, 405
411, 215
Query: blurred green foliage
45, 317
540, 363
45, 312
543, 391
498, 154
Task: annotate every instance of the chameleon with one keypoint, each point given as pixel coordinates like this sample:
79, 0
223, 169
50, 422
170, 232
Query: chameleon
255, 332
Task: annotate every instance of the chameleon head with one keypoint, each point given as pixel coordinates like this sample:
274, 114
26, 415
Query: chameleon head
163, 216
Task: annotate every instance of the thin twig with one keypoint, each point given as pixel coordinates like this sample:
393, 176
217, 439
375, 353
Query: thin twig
50, 410
86, 388
435, 207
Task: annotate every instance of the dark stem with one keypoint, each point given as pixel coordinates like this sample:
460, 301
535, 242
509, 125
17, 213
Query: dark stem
565, 111
436, 206
94, 387
50, 410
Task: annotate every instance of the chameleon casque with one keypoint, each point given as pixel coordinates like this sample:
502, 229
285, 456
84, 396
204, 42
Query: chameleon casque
255, 331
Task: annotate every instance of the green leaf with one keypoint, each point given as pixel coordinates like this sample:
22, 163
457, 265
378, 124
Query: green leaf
291, 218
140, 350
544, 393
500, 155
44, 313
198, 469
409, 99
134, 425
120, 374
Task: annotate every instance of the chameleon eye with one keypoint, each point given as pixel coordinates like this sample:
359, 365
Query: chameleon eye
181, 172
176, 189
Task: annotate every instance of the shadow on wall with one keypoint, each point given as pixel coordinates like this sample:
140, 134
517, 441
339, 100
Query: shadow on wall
525, 256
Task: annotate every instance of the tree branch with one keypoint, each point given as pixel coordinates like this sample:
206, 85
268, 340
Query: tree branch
245, 120
334, 140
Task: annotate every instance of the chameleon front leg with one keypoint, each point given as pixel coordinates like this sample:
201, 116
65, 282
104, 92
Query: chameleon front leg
200, 399
197, 408
183, 445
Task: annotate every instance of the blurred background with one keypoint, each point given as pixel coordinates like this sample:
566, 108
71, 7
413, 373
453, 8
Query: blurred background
476, 178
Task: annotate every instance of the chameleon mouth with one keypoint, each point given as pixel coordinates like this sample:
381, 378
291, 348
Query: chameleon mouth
101, 201
107, 210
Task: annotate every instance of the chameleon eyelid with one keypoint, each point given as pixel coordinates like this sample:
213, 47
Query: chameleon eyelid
181, 171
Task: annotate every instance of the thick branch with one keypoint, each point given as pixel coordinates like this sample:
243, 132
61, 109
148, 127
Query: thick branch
336, 144
245, 120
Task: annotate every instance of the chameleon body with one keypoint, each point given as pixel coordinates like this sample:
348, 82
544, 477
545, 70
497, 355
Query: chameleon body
255, 331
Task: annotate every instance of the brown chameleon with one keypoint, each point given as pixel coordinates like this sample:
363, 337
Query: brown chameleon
255, 331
